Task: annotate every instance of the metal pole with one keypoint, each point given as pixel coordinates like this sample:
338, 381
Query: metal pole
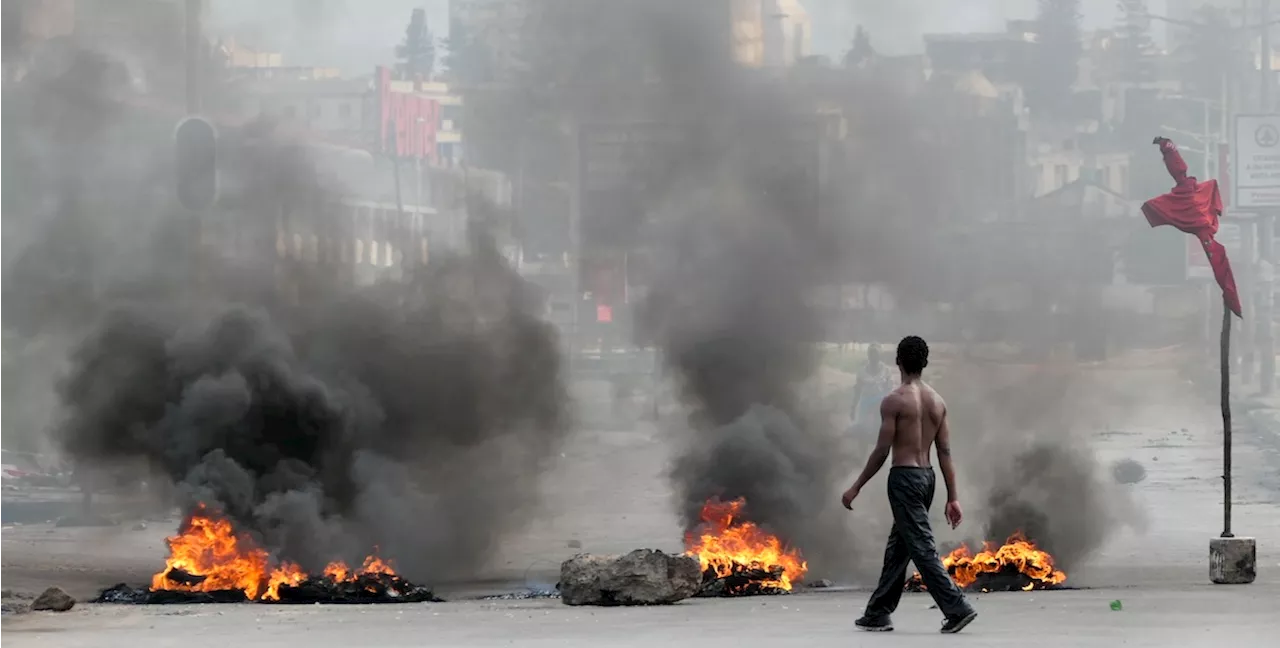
1264, 58
194, 55
1225, 353
1209, 148
1266, 229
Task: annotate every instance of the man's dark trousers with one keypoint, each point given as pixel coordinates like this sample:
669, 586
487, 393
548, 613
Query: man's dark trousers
910, 495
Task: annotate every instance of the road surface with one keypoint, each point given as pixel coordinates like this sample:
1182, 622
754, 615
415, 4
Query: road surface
1199, 615
609, 494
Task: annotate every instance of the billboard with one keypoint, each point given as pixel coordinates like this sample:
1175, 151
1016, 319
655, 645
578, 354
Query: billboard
1256, 171
407, 122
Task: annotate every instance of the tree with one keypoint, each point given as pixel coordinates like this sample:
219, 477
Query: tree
417, 54
1134, 47
861, 52
1055, 58
1208, 54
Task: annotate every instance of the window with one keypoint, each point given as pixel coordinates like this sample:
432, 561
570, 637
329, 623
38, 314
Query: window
373, 253
342, 253
1124, 181
1059, 175
423, 259
359, 251
344, 111
297, 246
313, 254
387, 256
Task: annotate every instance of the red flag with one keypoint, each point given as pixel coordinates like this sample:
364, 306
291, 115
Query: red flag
1194, 207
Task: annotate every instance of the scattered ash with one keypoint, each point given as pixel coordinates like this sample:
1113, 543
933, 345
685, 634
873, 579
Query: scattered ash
743, 581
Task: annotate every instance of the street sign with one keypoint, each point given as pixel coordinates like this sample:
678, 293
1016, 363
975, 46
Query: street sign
1231, 238
1257, 161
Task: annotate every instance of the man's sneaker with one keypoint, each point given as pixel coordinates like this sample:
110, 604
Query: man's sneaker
874, 624
955, 624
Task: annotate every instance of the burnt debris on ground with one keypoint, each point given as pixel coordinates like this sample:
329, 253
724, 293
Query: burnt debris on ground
364, 589
742, 581
1008, 579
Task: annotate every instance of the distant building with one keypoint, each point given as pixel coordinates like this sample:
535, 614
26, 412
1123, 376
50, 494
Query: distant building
339, 110
998, 55
447, 108
788, 33
763, 33
27, 25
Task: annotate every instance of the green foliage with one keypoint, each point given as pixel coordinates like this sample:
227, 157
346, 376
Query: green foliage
417, 54
1208, 54
1055, 60
1133, 47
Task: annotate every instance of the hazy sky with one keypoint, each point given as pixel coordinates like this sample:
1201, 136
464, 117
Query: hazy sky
356, 35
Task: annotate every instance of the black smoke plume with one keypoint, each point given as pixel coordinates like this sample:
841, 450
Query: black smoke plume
413, 418
324, 416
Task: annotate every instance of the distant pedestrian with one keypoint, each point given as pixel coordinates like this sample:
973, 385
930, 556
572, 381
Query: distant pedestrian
875, 380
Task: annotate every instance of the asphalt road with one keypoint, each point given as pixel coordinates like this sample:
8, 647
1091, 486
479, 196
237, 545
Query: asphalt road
1196, 615
608, 494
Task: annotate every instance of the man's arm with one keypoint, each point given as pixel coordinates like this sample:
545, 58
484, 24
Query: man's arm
884, 443
943, 442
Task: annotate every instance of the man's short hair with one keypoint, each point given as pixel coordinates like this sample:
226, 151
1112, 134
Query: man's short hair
913, 355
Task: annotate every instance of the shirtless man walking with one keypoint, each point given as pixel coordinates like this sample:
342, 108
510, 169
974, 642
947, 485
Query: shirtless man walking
912, 419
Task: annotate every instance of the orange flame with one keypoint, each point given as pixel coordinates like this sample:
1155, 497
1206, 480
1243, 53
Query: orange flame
215, 558
1017, 551
726, 545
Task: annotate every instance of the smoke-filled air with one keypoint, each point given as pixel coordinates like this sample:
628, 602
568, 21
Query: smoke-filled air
473, 290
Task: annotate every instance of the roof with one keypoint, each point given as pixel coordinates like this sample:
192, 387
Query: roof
979, 37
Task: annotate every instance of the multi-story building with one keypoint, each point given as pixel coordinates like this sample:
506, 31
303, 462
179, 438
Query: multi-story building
788, 33
1000, 56
28, 24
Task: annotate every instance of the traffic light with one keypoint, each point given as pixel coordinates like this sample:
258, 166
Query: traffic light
196, 151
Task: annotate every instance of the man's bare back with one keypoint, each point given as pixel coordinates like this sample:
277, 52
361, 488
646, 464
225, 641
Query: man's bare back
916, 412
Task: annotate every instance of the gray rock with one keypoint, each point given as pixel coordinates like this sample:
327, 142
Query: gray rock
54, 599
642, 577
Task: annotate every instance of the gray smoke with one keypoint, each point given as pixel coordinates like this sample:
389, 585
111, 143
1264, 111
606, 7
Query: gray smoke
1054, 494
741, 232
1023, 463
325, 419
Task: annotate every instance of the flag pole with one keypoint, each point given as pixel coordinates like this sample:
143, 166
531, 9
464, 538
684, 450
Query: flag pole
1225, 352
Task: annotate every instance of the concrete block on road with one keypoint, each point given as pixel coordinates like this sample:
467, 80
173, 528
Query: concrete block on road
1233, 561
